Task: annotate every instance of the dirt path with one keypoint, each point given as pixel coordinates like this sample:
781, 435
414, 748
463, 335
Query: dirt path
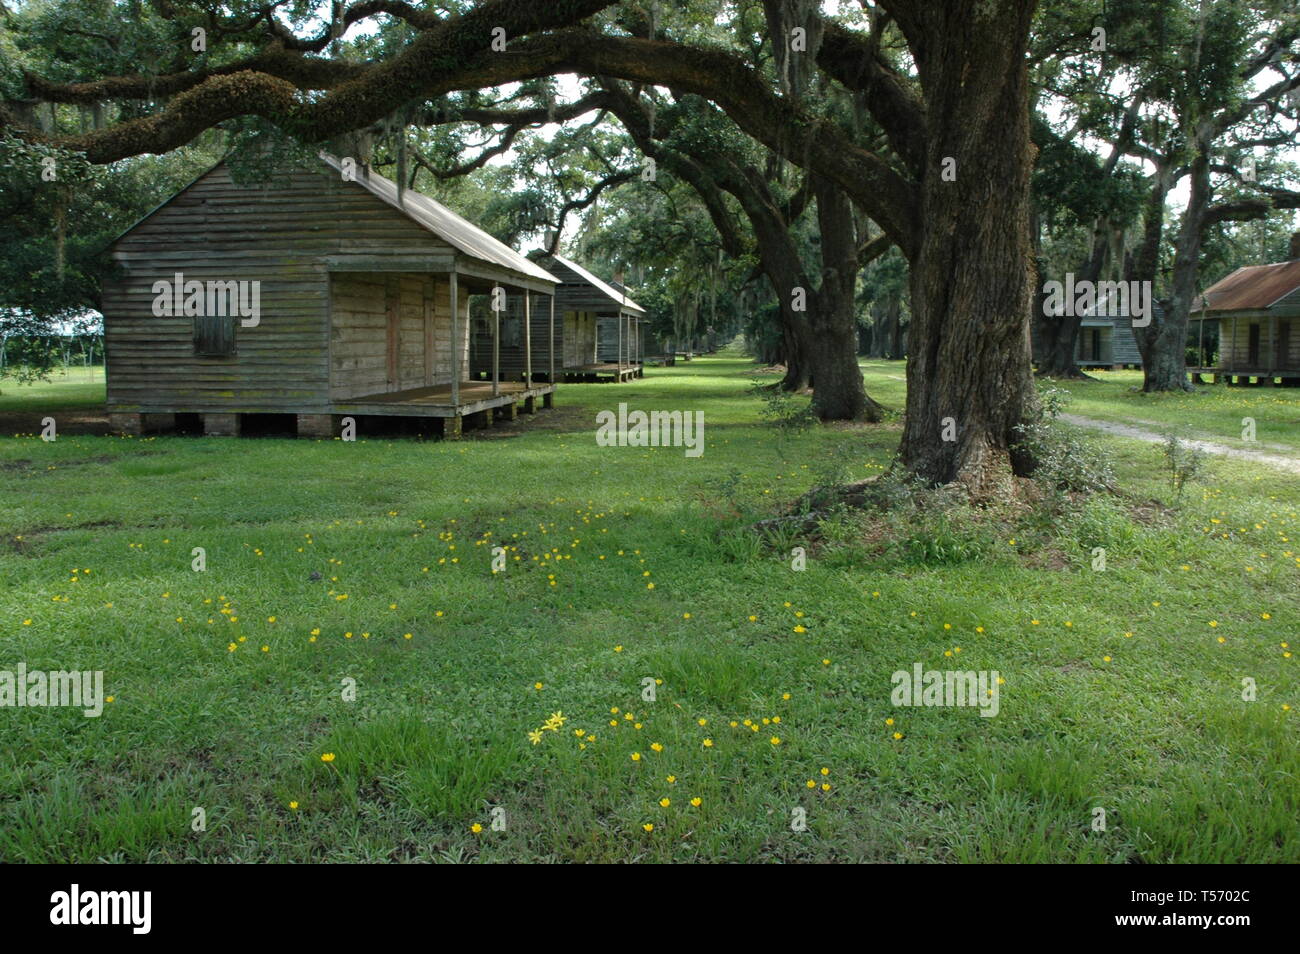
1151, 437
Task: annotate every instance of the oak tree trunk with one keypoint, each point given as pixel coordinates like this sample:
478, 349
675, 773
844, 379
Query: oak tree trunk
969, 382
1164, 342
838, 391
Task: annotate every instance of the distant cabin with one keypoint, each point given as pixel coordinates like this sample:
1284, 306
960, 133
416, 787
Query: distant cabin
321, 295
596, 328
1254, 315
1106, 338
1107, 342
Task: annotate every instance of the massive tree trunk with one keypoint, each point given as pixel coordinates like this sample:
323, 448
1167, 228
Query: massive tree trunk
969, 384
795, 344
1162, 345
838, 391
1164, 362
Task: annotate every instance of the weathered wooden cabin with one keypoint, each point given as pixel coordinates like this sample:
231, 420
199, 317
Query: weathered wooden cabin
595, 326
1106, 338
1255, 315
1107, 342
323, 294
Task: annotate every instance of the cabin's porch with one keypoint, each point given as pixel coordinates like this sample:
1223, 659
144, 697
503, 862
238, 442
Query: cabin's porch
600, 371
481, 401
1246, 349
438, 400
475, 401
603, 371
1246, 376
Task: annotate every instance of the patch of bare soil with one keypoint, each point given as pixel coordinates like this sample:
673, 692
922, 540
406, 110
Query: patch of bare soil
80, 421
559, 418
1149, 513
1048, 558
24, 541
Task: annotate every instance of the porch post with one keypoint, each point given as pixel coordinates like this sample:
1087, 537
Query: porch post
551, 378
528, 339
496, 344
1233, 341
454, 289
1272, 347
1200, 341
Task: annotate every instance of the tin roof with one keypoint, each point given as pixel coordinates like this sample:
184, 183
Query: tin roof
1252, 287
446, 224
615, 296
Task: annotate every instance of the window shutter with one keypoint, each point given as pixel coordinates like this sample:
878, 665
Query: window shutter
214, 336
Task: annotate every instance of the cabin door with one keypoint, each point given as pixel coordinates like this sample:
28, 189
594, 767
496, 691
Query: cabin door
1252, 347
1282, 354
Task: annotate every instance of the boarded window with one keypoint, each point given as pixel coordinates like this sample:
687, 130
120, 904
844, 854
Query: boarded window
214, 336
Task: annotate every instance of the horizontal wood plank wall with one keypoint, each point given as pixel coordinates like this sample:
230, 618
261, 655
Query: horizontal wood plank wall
1234, 348
1124, 346
607, 338
359, 335
276, 234
512, 337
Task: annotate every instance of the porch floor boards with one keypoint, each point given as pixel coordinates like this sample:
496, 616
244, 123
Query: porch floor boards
607, 370
435, 401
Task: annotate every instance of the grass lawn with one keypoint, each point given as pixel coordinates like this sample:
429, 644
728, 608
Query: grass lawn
333, 565
74, 389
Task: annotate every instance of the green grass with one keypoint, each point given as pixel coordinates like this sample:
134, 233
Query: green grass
77, 388
96, 540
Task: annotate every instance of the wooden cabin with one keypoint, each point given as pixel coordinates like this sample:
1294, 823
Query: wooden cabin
320, 295
595, 327
1107, 342
1105, 338
617, 323
1254, 314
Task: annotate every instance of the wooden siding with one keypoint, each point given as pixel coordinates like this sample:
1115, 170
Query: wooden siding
512, 337
391, 332
1118, 344
607, 330
1234, 343
579, 338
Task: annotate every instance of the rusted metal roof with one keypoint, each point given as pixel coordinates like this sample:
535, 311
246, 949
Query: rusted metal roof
446, 224
1252, 287
615, 296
